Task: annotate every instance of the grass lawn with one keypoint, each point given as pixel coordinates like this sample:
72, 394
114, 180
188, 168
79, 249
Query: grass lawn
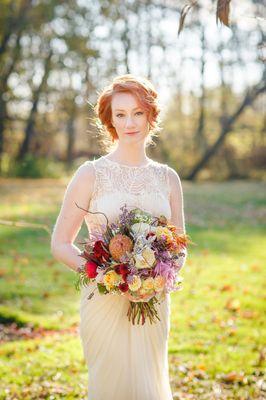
217, 338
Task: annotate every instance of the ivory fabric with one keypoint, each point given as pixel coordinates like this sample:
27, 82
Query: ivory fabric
125, 361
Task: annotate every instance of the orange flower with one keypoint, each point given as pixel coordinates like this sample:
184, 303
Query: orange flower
180, 239
119, 245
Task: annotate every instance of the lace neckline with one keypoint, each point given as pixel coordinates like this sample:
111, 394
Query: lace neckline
128, 166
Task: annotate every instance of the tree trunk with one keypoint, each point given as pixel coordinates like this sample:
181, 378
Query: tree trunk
3, 89
29, 130
14, 23
71, 138
126, 43
200, 140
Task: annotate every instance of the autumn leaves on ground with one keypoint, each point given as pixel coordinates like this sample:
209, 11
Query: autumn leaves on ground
217, 334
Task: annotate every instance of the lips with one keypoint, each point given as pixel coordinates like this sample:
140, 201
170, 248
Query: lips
131, 133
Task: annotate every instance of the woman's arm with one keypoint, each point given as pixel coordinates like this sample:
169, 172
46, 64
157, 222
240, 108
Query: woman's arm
177, 209
176, 200
70, 218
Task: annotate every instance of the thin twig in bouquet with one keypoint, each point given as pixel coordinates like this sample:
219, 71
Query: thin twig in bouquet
108, 229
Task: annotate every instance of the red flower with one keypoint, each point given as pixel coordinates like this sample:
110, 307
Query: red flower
121, 269
150, 234
90, 268
99, 251
123, 287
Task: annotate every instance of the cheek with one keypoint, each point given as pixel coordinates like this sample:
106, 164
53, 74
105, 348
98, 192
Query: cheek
145, 123
117, 122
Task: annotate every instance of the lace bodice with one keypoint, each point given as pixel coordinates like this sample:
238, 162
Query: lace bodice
146, 187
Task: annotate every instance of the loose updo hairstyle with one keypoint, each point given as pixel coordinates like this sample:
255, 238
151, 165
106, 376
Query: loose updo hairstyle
145, 94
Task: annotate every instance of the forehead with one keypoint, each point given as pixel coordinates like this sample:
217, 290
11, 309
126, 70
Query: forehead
124, 101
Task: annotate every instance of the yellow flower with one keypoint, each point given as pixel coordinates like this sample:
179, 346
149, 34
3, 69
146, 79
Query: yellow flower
159, 282
146, 259
136, 283
111, 278
148, 284
164, 232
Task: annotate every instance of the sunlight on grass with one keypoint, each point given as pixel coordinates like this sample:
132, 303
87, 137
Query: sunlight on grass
217, 320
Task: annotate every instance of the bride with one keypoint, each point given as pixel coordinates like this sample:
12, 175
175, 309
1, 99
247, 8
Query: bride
125, 361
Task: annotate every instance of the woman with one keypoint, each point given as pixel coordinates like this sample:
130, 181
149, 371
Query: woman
125, 361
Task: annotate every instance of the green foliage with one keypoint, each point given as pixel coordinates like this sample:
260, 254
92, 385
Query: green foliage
7, 317
102, 289
82, 280
35, 167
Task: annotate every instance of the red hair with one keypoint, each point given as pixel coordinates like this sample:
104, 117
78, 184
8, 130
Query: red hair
141, 88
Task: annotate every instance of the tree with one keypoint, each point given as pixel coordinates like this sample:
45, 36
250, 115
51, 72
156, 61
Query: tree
227, 125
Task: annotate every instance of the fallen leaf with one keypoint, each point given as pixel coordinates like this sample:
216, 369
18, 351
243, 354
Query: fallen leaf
233, 377
249, 314
233, 305
226, 288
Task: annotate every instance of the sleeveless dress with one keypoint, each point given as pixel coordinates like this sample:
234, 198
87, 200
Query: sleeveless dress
125, 361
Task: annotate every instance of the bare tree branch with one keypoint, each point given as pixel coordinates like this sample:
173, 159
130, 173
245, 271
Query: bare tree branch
249, 98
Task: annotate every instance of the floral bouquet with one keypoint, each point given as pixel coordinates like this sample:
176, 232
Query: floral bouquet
138, 256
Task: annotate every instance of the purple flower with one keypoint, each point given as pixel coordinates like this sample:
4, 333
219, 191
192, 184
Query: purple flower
167, 271
126, 217
130, 278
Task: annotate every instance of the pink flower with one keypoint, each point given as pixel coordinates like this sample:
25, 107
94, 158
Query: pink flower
167, 271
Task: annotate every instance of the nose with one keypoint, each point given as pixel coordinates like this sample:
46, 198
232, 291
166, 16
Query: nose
130, 122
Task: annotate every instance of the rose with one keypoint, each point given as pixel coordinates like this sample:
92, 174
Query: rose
135, 284
159, 283
90, 268
122, 269
99, 251
123, 287
148, 284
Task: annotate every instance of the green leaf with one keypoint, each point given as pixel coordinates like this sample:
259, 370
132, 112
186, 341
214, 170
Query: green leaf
102, 289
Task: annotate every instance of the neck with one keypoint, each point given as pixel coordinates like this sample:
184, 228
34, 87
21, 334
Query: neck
133, 155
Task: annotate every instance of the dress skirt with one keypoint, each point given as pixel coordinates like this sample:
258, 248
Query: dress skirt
125, 361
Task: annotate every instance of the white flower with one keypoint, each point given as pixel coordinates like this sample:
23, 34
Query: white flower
142, 228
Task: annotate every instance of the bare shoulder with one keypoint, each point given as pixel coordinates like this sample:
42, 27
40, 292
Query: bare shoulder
84, 171
174, 179
176, 200
83, 178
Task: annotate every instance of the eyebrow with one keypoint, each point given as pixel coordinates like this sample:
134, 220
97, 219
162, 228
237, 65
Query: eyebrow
118, 109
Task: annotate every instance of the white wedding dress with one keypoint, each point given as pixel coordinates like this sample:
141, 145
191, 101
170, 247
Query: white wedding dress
125, 361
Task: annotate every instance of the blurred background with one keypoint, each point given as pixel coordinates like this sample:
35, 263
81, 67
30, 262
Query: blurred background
57, 55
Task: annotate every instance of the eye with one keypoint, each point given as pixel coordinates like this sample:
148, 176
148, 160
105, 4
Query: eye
139, 113
118, 115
